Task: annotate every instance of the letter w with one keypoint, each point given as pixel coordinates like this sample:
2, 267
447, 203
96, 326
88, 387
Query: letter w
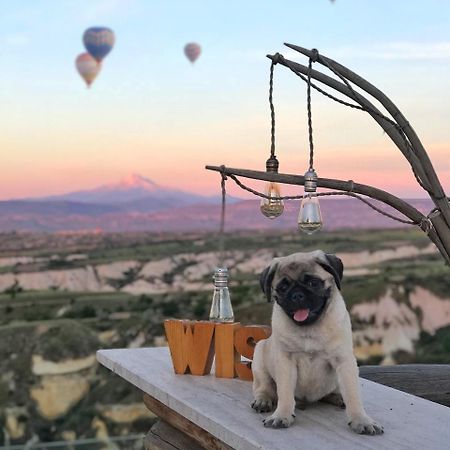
191, 345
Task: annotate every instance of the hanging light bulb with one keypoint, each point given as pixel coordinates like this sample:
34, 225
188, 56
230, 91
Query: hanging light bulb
310, 216
273, 206
221, 309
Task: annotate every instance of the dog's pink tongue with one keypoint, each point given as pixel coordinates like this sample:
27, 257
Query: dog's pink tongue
301, 315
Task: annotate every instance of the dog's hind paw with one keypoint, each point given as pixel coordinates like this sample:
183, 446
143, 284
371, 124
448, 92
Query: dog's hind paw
276, 421
366, 425
334, 399
300, 404
263, 405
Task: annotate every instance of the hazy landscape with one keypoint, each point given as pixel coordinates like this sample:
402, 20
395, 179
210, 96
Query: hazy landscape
136, 203
65, 295
109, 221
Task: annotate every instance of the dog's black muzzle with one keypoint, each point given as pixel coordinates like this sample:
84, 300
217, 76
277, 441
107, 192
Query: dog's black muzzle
301, 303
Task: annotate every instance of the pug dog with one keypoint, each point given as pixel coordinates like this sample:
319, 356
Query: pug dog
309, 356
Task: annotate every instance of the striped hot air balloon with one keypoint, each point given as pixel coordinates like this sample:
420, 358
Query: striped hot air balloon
98, 41
87, 67
192, 51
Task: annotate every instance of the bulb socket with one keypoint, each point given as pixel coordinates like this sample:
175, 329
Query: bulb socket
272, 164
310, 180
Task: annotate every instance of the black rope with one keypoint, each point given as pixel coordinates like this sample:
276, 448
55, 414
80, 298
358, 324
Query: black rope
222, 217
425, 223
308, 107
408, 146
272, 111
326, 194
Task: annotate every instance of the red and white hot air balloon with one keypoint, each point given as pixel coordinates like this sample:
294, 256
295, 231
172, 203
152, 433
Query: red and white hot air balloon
87, 67
192, 51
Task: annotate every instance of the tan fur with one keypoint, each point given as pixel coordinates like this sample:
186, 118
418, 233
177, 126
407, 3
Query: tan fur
308, 362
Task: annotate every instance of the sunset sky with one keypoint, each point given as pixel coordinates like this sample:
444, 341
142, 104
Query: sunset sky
152, 112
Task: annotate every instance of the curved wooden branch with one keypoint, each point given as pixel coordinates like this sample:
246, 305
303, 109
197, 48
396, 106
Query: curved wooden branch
398, 204
437, 193
364, 102
419, 159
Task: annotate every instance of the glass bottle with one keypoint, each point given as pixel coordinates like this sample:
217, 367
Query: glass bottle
221, 309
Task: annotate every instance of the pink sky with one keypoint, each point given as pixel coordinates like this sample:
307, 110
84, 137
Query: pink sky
86, 139
61, 172
153, 113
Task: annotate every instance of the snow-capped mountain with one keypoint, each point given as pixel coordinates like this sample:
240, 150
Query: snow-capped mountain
131, 189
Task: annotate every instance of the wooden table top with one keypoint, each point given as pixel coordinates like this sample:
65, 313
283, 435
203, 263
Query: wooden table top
222, 407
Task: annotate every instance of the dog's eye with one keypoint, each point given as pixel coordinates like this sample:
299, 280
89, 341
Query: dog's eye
283, 285
314, 283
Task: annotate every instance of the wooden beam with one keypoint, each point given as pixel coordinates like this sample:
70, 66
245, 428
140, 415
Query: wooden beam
163, 436
429, 381
199, 435
340, 185
346, 186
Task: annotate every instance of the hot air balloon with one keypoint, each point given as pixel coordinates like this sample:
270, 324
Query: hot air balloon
98, 41
192, 51
87, 67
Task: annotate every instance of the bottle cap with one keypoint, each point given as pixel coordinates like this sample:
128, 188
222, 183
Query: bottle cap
221, 277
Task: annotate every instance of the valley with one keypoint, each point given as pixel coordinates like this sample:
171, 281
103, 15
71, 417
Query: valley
65, 295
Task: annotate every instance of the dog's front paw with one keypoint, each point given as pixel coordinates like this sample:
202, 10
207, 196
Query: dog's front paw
263, 405
277, 420
365, 425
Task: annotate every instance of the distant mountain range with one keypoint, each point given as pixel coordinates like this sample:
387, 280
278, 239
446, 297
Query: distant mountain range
134, 193
137, 203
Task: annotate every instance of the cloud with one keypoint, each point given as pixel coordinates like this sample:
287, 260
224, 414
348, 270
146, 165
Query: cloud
17, 40
404, 51
102, 8
396, 50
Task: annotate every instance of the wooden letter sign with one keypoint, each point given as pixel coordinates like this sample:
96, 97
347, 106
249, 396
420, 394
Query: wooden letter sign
192, 345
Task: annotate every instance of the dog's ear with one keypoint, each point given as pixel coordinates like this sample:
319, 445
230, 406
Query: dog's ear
266, 278
335, 267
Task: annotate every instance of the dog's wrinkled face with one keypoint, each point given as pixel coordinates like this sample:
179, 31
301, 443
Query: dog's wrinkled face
302, 284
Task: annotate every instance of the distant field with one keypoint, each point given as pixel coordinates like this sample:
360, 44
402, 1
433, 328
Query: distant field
109, 247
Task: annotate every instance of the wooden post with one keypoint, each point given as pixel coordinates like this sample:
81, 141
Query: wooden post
204, 439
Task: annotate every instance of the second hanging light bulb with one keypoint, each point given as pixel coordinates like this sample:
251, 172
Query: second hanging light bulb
310, 216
